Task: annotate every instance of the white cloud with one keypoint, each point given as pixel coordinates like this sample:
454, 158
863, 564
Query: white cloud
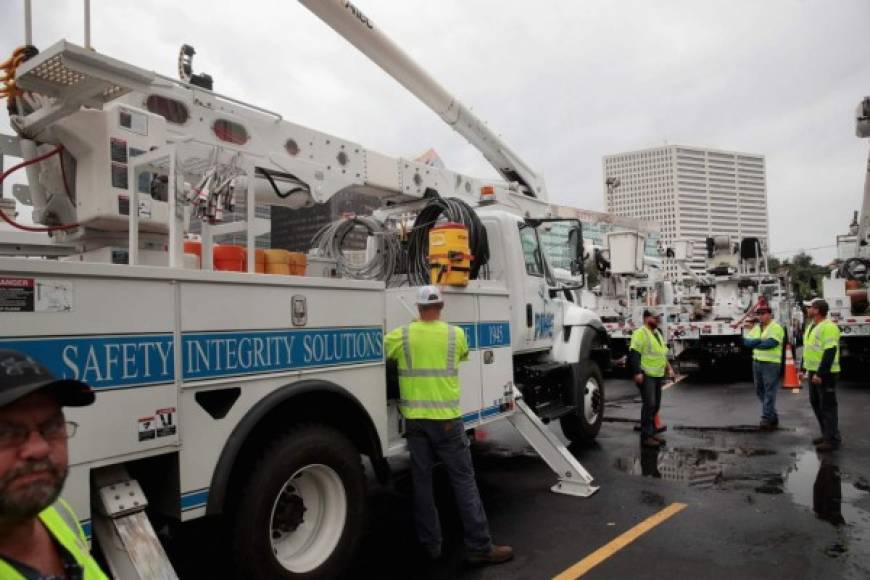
564, 82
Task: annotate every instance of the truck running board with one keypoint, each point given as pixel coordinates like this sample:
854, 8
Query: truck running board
572, 478
123, 530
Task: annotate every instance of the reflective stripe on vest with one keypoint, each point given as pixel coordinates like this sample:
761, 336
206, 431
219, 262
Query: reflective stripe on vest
771, 355
817, 339
410, 371
653, 351
429, 393
61, 522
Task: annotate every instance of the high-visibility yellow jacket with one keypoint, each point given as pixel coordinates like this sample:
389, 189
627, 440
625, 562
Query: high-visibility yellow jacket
817, 339
773, 330
63, 525
653, 351
428, 356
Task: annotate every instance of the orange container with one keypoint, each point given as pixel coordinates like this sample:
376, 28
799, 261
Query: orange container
298, 262
194, 248
277, 262
260, 264
229, 258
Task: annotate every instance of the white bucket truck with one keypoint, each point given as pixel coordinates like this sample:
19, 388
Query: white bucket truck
247, 394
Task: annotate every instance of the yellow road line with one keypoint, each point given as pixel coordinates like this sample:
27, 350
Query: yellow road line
618, 543
674, 382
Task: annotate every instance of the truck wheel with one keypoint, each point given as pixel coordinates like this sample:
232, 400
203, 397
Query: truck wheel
586, 393
301, 511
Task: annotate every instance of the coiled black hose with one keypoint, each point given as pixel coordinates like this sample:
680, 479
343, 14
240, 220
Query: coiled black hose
453, 210
856, 269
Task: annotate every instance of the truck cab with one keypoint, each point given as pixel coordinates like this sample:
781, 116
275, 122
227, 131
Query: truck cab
560, 348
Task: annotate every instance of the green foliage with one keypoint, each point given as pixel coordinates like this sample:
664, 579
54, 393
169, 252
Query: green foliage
806, 277
592, 275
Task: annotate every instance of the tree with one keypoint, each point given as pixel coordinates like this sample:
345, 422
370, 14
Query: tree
592, 275
806, 276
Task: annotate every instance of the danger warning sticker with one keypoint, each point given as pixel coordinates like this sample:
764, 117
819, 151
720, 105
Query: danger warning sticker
147, 428
16, 294
166, 422
35, 295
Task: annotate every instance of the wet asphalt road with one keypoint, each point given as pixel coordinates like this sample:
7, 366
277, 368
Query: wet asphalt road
759, 505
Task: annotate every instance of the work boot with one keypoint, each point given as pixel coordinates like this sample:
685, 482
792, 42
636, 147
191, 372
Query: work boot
433, 552
818, 440
661, 440
651, 442
496, 555
826, 446
766, 426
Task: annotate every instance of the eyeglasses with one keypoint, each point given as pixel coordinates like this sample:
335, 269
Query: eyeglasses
53, 430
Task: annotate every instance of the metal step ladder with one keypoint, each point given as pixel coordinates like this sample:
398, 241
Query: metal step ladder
573, 479
122, 528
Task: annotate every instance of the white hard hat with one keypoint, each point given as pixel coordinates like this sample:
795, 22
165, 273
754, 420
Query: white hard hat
429, 295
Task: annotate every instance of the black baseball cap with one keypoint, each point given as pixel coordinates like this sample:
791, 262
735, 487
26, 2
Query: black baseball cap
21, 374
650, 313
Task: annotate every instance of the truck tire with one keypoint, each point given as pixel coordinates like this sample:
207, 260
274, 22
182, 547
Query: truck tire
300, 513
586, 392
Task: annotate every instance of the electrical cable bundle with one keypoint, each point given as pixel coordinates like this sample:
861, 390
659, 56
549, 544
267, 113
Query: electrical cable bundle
329, 240
856, 269
454, 210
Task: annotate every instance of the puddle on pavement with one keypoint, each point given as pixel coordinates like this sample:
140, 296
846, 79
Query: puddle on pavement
813, 482
697, 467
701, 467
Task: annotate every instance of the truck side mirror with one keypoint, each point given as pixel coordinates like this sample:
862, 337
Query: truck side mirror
575, 242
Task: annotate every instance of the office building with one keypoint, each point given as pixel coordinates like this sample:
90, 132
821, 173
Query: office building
691, 192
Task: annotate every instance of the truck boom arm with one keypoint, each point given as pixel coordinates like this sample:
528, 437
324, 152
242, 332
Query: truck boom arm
862, 129
347, 20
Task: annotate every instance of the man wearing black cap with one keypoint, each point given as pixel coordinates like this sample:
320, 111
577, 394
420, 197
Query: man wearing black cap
40, 537
648, 360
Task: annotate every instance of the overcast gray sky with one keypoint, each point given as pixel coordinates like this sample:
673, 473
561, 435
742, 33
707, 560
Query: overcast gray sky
564, 82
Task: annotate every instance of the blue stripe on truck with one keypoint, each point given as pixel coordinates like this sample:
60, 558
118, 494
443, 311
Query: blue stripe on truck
134, 360
220, 354
194, 499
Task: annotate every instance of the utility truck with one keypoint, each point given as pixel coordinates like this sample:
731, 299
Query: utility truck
629, 279
707, 326
223, 390
846, 288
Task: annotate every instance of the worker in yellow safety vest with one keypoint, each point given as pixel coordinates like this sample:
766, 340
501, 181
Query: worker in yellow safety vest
821, 364
648, 361
40, 536
427, 353
765, 339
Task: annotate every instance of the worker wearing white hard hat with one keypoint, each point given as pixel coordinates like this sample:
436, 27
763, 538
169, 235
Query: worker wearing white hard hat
427, 353
429, 295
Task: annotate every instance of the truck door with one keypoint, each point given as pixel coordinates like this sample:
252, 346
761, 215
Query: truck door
542, 314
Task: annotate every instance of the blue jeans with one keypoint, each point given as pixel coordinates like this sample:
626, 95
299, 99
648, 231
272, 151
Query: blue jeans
432, 441
651, 397
767, 384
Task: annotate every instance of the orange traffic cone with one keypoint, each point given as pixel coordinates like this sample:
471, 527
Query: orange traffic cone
791, 380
